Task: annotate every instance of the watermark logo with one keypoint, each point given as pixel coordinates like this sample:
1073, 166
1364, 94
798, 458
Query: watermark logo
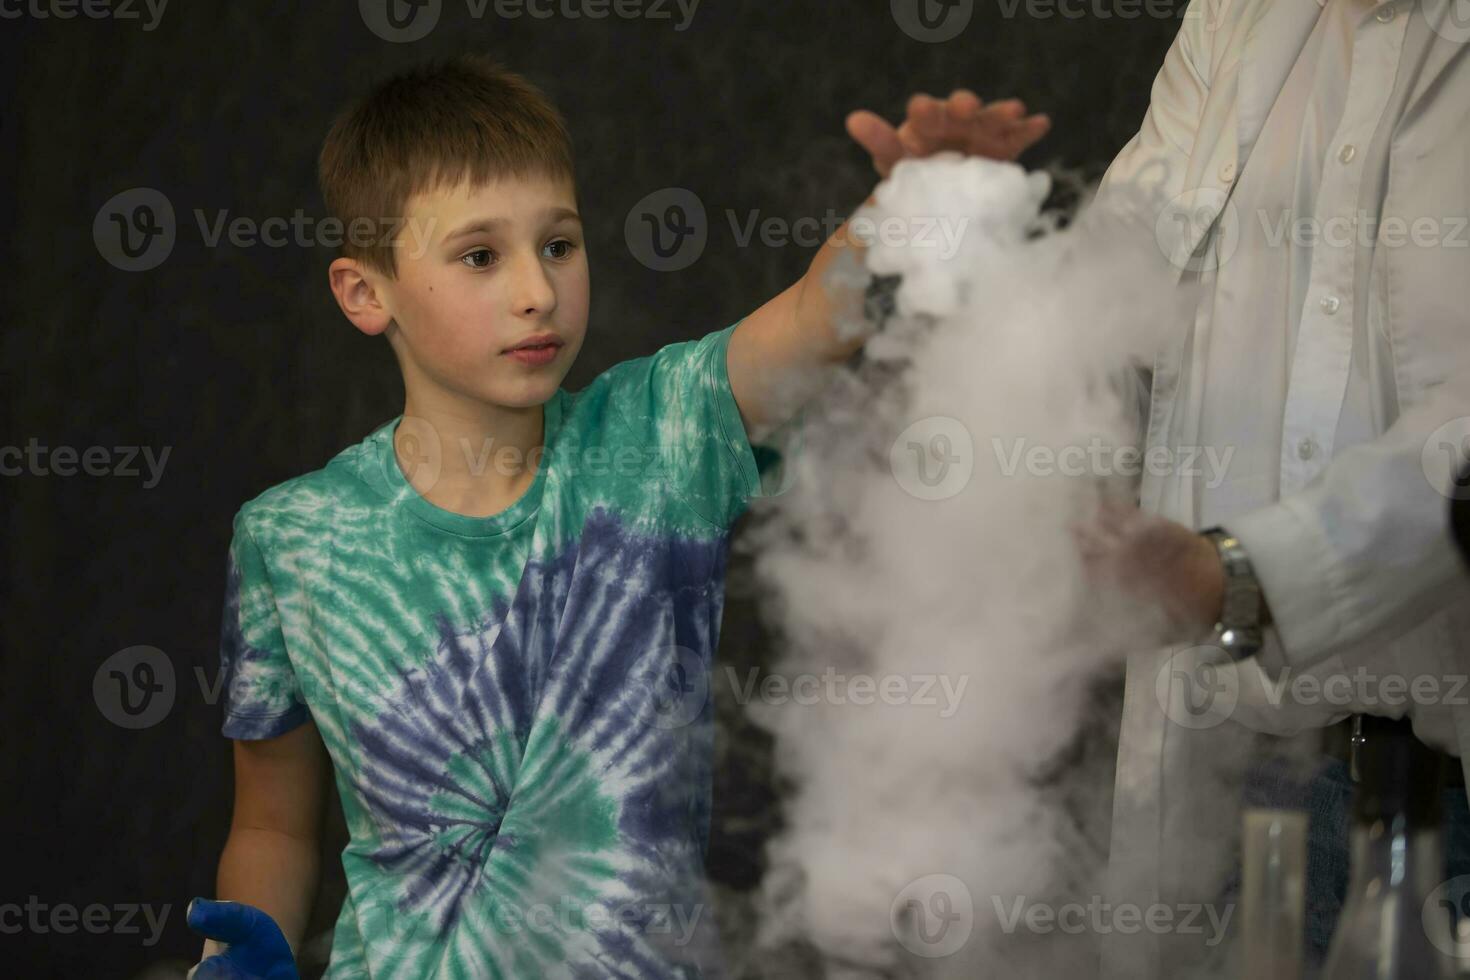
400, 21
941, 234
1454, 26
932, 21
91, 9
677, 688
1197, 687
417, 453
832, 688
137, 687
933, 916
1191, 217
1446, 458
404, 21
667, 230
934, 458
674, 922
63, 918
1204, 216
1101, 459
1446, 917
777, 232
421, 455
1099, 9
1200, 688
134, 688
1363, 230
1101, 918
38, 459
135, 229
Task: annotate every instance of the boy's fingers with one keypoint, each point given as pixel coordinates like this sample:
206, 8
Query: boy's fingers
1006, 109
1032, 129
1029, 125
964, 105
1014, 141
913, 142
920, 103
929, 120
874, 134
1000, 130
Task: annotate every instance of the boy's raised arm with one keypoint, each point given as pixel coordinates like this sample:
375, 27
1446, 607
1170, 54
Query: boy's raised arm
779, 355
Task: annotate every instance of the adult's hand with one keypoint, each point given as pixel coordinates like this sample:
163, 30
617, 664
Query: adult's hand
1156, 560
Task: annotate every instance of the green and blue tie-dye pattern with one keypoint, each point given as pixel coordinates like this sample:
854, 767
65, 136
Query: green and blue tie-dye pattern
516, 706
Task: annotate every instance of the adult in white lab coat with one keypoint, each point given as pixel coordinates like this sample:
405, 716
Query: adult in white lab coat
1315, 157
1319, 155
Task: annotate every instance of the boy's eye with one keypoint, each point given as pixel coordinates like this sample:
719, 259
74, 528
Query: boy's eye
566, 247
468, 256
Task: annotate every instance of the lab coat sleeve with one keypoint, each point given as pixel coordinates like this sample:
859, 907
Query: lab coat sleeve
1363, 554
1157, 156
1154, 161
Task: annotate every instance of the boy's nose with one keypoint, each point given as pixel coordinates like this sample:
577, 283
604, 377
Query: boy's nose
533, 291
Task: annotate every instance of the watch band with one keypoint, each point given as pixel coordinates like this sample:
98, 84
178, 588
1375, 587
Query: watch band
1244, 615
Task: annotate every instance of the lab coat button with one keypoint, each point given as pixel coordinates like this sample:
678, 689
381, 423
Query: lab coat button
1386, 13
1347, 153
1306, 449
1227, 172
1331, 304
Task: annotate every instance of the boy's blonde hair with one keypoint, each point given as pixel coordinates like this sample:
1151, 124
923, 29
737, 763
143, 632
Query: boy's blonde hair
429, 128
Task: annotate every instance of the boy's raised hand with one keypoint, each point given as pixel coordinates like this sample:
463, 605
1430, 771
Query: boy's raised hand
962, 122
779, 354
255, 947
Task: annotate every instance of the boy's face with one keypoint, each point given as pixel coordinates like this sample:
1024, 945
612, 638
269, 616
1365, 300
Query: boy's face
480, 271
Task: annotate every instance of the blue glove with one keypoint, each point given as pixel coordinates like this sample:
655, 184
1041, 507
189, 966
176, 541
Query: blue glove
256, 948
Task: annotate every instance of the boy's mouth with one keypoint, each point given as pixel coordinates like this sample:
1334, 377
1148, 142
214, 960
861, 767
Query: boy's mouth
537, 350
538, 342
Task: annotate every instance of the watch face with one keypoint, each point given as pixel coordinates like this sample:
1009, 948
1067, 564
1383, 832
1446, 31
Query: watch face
1240, 643
1242, 606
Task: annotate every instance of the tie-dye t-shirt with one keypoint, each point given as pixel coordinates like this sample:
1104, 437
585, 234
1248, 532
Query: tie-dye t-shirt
517, 706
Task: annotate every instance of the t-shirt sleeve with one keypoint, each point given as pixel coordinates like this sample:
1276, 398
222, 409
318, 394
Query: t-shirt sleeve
261, 696
679, 399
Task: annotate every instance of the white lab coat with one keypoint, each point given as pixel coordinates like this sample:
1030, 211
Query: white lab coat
1357, 563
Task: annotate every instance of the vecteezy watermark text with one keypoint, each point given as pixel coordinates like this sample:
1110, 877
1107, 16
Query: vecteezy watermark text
38, 459
135, 230
1199, 687
649, 918
403, 23
64, 918
668, 230
91, 9
1099, 917
832, 687
1102, 460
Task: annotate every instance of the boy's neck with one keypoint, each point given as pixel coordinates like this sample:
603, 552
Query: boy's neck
486, 454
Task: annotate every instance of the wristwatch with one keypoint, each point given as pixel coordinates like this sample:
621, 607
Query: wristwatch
1245, 615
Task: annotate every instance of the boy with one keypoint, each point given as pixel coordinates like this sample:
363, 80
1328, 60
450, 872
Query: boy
496, 614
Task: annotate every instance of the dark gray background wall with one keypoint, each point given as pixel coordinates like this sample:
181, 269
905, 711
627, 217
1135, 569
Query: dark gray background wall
237, 361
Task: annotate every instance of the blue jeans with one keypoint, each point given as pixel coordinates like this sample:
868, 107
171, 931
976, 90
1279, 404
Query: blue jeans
1327, 798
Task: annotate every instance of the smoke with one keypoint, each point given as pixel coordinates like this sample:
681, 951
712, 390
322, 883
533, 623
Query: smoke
924, 583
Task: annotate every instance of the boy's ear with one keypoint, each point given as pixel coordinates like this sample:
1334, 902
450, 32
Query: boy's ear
360, 300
